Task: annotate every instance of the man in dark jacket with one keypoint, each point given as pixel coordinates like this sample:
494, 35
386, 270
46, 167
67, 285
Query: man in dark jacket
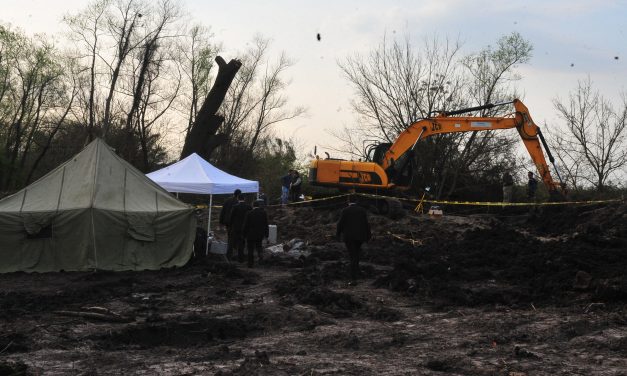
286, 181
236, 226
354, 229
532, 186
508, 187
295, 186
255, 230
225, 214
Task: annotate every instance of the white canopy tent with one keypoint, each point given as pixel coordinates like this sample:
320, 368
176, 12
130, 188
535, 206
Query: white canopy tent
195, 175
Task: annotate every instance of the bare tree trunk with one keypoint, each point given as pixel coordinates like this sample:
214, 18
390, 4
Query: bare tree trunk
124, 49
92, 89
202, 138
49, 140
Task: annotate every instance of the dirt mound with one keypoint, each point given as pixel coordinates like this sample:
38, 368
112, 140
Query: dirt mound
609, 220
502, 266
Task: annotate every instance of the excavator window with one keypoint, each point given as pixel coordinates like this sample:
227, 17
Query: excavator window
378, 152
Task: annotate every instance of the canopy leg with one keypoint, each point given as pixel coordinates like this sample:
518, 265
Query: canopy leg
208, 224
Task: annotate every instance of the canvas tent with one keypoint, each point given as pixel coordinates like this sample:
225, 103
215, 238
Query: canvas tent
95, 211
195, 175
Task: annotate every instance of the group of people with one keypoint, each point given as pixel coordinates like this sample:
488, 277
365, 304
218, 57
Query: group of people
291, 185
246, 226
508, 187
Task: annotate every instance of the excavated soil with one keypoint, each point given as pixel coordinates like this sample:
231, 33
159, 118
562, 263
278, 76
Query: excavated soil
509, 292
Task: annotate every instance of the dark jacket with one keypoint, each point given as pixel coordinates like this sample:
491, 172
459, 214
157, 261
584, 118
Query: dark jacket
532, 186
225, 213
286, 180
353, 224
238, 214
256, 225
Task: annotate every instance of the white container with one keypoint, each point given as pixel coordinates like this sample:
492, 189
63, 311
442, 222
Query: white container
218, 247
272, 231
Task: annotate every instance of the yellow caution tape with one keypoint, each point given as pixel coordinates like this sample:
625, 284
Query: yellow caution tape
438, 202
487, 203
204, 206
308, 201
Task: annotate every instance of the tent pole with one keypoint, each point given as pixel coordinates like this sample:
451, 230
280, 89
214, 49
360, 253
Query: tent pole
209, 223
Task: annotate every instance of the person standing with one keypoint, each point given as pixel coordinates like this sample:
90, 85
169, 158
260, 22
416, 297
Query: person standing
255, 229
295, 186
353, 228
532, 187
286, 182
238, 214
261, 196
508, 187
225, 218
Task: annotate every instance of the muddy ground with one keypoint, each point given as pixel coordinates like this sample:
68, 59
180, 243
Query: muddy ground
520, 292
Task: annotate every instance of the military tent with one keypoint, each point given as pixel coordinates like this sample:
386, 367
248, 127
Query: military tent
95, 211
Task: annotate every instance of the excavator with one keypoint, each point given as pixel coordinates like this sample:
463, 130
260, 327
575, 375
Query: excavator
388, 165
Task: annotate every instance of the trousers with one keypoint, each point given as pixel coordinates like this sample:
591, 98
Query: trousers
235, 242
354, 250
252, 245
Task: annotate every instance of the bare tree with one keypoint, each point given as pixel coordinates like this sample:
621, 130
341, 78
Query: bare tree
122, 25
203, 138
491, 72
197, 55
595, 133
61, 110
149, 63
86, 31
256, 102
394, 86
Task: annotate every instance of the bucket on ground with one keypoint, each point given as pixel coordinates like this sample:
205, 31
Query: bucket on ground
272, 234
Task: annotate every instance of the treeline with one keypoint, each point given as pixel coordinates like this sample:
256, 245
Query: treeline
135, 72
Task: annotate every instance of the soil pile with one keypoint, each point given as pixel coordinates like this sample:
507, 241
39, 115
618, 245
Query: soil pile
481, 259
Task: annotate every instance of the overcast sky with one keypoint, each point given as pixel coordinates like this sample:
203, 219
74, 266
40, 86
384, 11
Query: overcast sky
571, 38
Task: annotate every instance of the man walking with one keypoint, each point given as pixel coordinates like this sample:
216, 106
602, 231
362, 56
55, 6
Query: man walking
238, 214
353, 228
225, 218
255, 230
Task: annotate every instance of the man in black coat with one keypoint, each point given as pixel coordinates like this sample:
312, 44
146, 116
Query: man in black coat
255, 230
225, 215
236, 226
354, 229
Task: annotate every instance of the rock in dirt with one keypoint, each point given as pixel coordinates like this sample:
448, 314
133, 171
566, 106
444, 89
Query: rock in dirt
522, 352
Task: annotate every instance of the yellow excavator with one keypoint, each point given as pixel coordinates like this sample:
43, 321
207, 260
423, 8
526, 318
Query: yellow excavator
388, 168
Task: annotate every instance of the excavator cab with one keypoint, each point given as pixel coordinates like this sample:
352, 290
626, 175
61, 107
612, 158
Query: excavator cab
400, 172
376, 152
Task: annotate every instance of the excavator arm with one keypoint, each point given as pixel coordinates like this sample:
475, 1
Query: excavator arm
520, 119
